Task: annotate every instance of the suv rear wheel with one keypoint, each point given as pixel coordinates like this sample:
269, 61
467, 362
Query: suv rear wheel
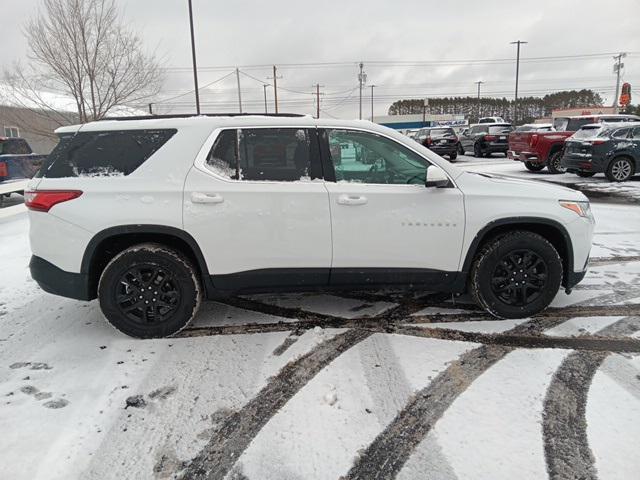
477, 150
516, 275
620, 169
149, 291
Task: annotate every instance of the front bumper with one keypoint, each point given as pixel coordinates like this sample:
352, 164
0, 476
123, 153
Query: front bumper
58, 282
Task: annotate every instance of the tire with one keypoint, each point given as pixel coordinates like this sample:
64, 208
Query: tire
534, 167
505, 297
554, 163
477, 150
460, 149
453, 156
160, 277
620, 169
585, 174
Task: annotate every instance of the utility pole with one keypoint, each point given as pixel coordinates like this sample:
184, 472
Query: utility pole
317, 100
275, 87
617, 67
479, 82
239, 90
151, 109
515, 102
362, 79
264, 87
193, 57
372, 86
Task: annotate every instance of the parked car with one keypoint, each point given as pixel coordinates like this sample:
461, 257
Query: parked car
17, 160
544, 149
485, 139
601, 148
441, 140
491, 120
151, 216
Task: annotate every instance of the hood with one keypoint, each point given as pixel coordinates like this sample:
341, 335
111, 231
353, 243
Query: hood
514, 187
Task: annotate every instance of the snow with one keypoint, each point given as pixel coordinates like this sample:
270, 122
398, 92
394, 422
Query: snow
575, 327
479, 326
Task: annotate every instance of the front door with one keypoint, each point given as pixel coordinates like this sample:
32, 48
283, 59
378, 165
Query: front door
258, 209
387, 226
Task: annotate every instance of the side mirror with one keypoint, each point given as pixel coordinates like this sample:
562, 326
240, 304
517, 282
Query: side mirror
436, 178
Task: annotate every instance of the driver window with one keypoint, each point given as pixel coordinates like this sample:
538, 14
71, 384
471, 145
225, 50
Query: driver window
363, 157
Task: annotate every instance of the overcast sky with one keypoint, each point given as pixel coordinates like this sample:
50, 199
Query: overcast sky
250, 33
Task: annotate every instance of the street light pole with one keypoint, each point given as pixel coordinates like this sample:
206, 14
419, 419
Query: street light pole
617, 67
515, 102
362, 79
479, 82
193, 57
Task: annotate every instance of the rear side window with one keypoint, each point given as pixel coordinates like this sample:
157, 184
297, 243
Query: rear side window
96, 154
622, 133
273, 154
14, 146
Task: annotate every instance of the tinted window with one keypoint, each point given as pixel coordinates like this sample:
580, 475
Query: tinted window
500, 129
622, 133
588, 132
574, 124
17, 146
275, 154
636, 133
103, 153
441, 132
363, 157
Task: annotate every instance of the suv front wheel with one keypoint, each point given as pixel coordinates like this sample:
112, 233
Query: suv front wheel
149, 291
516, 275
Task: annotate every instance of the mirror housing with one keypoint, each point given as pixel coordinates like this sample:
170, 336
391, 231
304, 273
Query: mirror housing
436, 178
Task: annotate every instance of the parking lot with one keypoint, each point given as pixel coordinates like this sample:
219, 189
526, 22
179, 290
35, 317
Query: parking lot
360, 385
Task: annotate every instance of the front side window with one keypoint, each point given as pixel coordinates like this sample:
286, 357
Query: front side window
363, 157
107, 153
621, 133
636, 133
273, 154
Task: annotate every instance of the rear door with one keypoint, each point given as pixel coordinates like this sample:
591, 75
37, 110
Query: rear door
387, 226
258, 209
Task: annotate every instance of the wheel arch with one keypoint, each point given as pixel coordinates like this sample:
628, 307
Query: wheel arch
549, 229
106, 244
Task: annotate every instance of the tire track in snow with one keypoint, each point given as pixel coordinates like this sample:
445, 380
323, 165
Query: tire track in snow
237, 431
386, 455
564, 422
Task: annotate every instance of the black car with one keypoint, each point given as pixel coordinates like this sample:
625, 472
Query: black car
441, 140
613, 151
487, 138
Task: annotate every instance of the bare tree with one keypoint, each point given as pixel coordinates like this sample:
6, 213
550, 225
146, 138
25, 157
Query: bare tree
83, 50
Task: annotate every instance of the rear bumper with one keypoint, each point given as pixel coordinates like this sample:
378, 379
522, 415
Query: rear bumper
583, 163
58, 282
496, 147
523, 156
444, 149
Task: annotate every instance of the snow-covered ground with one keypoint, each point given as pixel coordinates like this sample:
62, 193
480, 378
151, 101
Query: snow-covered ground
273, 387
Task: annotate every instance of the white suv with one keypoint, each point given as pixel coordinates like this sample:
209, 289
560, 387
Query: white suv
150, 215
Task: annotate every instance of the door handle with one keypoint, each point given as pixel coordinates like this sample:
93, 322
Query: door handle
199, 197
352, 200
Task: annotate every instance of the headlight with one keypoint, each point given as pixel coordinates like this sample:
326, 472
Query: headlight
581, 208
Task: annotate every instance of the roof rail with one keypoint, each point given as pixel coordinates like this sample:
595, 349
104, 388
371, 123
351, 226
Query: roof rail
189, 115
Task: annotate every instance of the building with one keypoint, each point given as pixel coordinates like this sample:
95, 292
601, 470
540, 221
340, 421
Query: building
403, 122
35, 127
574, 112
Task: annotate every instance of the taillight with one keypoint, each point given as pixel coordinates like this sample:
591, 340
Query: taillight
44, 200
4, 171
533, 140
489, 138
428, 141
